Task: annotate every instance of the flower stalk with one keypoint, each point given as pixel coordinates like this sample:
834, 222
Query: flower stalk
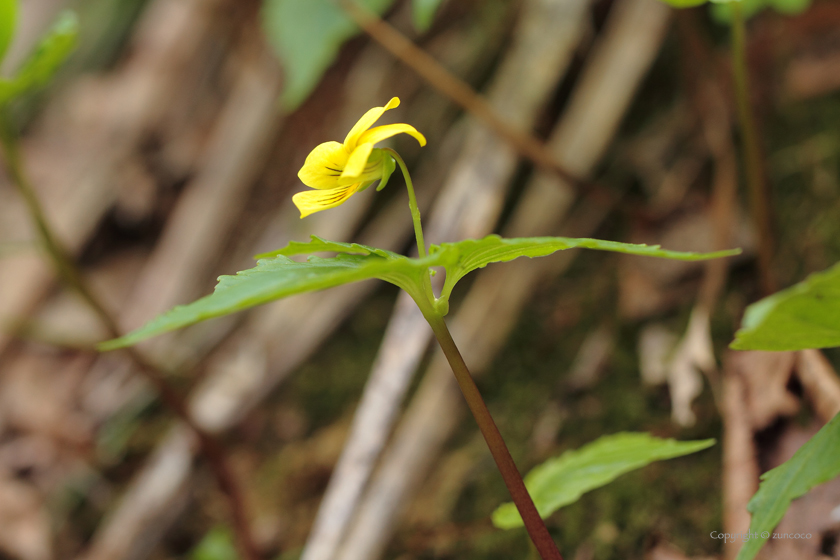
412, 203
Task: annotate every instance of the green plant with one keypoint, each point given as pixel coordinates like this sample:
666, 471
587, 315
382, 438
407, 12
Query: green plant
337, 171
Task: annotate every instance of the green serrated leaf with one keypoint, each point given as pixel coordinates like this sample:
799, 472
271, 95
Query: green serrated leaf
423, 12
280, 277
319, 245
217, 544
806, 315
307, 35
815, 462
563, 480
478, 253
43, 63
8, 22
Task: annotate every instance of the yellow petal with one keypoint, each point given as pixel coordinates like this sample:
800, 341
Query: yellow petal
366, 122
309, 202
357, 162
380, 133
324, 165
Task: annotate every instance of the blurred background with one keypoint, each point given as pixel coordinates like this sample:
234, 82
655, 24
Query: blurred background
166, 153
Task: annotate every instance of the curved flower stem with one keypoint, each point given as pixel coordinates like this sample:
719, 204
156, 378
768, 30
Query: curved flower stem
415, 217
412, 203
753, 168
69, 273
513, 480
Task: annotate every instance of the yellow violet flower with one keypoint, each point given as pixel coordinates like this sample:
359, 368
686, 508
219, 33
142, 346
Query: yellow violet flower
337, 171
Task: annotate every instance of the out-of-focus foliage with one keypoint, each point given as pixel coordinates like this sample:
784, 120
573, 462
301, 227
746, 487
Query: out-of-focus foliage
307, 35
8, 21
278, 276
424, 13
563, 480
217, 544
806, 315
722, 11
45, 60
815, 462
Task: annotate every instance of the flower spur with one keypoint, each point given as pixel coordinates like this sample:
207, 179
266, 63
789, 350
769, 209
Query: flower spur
337, 171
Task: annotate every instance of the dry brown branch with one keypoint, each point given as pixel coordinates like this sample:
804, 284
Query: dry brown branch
454, 88
87, 148
740, 463
820, 382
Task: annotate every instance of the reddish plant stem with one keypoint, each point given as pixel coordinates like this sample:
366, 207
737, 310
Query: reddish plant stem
513, 480
67, 270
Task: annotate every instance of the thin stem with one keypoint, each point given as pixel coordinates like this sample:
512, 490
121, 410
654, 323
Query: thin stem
513, 480
415, 217
753, 168
412, 203
69, 272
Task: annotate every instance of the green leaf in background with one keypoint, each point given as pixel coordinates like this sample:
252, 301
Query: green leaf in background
307, 35
815, 462
43, 63
8, 22
685, 3
423, 12
478, 253
563, 480
277, 276
722, 12
217, 544
806, 315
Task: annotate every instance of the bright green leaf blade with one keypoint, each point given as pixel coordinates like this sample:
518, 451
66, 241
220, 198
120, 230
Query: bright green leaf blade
424, 11
43, 63
217, 544
318, 245
722, 11
684, 3
8, 22
816, 462
478, 253
280, 277
806, 315
563, 480
277, 278
307, 35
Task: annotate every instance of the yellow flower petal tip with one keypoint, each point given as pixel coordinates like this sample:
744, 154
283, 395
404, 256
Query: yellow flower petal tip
340, 168
309, 202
